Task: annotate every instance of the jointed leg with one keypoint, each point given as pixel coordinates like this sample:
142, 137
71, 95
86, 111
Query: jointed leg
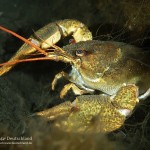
57, 77
74, 88
145, 95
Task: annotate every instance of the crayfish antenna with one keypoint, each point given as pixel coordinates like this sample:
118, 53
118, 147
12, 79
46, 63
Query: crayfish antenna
25, 50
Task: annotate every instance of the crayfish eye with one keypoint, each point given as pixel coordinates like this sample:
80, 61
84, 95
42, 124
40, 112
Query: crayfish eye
80, 52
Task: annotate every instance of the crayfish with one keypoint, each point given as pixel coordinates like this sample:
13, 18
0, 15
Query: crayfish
117, 69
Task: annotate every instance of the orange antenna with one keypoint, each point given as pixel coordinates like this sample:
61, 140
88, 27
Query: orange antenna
26, 60
23, 39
